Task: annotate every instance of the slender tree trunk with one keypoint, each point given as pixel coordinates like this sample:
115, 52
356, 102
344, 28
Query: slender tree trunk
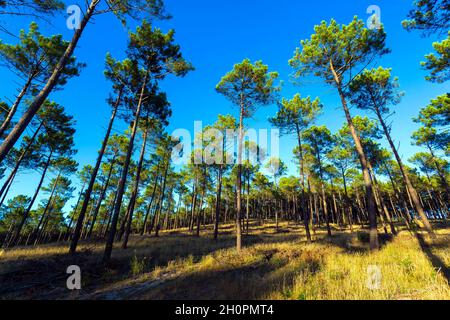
193, 205
26, 214
135, 190
123, 178
46, 209
87, 195
19, 161
149, 207
412, 191
218, 195
371, 207
101, 197
440, 171
239, 182
302, 178
74, 211
8, 186
14, 107
161, 202
247, 205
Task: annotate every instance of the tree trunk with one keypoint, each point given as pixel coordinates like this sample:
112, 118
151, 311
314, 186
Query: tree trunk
218, 195
123, 178
101, 197
412, 191
149, 207
19, 161
14, 239
371, 207
87, 195
135, 190
46, 209
14, 107
28, 115
239, 182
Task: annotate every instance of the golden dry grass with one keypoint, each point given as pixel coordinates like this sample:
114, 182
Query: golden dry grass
272, 265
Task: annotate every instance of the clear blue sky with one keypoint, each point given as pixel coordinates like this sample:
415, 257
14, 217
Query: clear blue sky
216, 34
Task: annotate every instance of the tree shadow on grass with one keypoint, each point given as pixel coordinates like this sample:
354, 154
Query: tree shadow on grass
45, 277
434, 259
355, 243
274, 272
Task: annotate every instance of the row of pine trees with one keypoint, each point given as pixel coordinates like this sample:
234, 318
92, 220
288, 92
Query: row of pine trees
344, 178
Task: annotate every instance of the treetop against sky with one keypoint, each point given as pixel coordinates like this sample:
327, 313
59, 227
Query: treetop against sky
214, 36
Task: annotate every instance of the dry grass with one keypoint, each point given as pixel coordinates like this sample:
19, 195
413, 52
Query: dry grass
272, 265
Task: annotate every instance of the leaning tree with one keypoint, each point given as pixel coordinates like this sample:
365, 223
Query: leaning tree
336, 53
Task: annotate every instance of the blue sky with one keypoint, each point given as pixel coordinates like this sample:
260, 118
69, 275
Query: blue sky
216, 34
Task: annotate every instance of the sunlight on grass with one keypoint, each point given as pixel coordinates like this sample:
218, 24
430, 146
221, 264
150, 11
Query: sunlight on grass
272, 265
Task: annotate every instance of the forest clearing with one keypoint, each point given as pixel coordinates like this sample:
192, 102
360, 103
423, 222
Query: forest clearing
225, 150
274, 265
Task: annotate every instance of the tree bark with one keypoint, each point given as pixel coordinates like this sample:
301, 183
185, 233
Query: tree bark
371, 207
13, 240
135, 190
218, 196
87, 195
34, 107
123, 178
412, 191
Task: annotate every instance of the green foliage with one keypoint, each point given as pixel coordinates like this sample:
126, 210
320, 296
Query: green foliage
249, 86
438, 64
136, 9
338, 47
429, 16
156, 52
21, 7
296, 114
427, 163
375, 89
13, 211
59, 130
35, 57
319, 141
276, 167
434, 119
437, 113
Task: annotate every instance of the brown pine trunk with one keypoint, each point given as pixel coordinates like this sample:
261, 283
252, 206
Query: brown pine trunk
302, 178
123, 178
218, 195
87, 196
371, 207
135, 190
149, 207
38, 232
412, 191
14, 107
239, 183
26, 214
101, 197
34, 107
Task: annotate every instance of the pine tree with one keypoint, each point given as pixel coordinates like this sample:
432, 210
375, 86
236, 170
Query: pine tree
334, 53
247, 86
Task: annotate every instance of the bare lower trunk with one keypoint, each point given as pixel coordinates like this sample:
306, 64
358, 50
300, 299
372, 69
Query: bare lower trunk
135, 191
371, 207
412, 191
35, 105
87, 195
123, 178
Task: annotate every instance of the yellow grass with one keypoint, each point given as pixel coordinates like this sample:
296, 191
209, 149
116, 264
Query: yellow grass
272, 265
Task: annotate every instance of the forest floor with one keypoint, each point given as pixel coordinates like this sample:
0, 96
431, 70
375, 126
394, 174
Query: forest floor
272, 265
